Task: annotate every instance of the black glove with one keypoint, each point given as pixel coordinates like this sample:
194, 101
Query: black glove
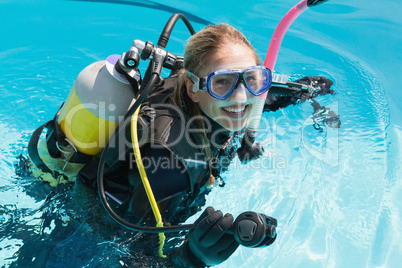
280, 99
209, 243
321, 82
247, 152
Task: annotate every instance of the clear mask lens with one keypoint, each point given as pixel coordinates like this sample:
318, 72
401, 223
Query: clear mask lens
221, 84
255, 80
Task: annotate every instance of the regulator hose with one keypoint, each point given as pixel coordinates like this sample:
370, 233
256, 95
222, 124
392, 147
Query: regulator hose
165, 35
101, 168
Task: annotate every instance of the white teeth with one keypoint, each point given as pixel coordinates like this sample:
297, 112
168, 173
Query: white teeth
235, 109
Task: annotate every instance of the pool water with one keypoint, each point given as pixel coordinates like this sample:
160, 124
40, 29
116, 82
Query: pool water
336, 192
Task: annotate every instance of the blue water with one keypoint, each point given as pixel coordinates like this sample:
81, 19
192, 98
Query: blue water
336, 193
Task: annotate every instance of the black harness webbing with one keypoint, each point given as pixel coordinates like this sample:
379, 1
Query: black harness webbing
33, 148
133, 82
53, 136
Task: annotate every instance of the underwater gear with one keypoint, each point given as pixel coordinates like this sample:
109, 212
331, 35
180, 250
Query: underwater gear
321, 84
74, 115
324, 116
252, 229
209, 243
97, 102
221, 84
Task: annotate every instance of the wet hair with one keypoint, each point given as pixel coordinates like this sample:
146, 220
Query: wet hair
201, 47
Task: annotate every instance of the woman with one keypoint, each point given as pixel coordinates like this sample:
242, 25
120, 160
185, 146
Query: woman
198, 113
187, 131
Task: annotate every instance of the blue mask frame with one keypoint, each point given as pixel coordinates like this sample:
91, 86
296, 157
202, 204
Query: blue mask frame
204, 83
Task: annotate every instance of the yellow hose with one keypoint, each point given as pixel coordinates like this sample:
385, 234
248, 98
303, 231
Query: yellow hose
145, 182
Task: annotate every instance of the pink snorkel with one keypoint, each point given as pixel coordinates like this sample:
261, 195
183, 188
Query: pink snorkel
249, 150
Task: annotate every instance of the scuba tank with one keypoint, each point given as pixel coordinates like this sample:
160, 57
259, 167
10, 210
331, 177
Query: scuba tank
97, 102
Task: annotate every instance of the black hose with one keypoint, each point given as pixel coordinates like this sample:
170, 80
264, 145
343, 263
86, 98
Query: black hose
153, 80
145, 81
312, 3
165, 35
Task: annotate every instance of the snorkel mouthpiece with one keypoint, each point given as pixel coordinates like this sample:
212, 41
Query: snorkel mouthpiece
312, 3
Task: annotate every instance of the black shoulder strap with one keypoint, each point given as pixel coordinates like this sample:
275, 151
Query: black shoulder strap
131, 80
54, 135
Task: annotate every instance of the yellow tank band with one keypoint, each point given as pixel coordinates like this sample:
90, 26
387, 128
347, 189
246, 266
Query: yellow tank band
85, 130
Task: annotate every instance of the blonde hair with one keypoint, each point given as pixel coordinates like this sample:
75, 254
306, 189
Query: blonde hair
199, 50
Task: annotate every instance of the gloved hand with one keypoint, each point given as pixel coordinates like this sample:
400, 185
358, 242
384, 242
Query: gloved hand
209, 243
283, 99
321, 82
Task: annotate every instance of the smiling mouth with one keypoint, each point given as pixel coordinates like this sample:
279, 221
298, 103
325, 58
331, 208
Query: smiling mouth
235, 112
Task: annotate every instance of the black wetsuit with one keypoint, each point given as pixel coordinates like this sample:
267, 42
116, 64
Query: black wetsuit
175, 163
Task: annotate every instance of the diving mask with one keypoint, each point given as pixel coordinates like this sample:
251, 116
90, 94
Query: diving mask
222, 83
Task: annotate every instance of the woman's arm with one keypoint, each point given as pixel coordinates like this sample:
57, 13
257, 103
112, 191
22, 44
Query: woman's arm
277, 98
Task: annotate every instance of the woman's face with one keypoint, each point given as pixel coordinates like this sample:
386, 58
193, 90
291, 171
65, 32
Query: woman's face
232, 113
